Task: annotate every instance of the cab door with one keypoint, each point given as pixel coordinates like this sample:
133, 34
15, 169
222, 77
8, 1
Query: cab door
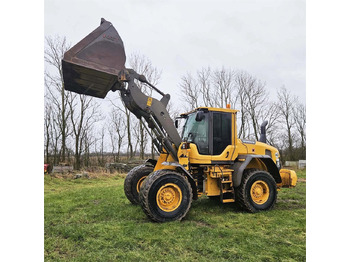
223, 132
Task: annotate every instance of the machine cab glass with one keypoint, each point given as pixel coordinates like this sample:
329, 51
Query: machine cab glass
210, 131
196, 132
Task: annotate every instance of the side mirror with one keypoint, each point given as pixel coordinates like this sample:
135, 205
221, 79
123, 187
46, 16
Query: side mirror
176, 123
199, 116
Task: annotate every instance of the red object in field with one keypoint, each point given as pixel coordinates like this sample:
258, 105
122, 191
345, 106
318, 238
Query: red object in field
46, 167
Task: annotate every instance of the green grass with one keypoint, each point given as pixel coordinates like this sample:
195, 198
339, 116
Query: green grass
91, 220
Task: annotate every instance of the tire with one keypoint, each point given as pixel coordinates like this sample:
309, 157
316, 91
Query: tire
257, 191
133, 182
166, 195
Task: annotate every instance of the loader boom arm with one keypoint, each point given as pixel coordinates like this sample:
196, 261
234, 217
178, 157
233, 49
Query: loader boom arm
150, 110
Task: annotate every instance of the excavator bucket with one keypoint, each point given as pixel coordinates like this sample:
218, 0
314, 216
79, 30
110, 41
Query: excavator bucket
91, 66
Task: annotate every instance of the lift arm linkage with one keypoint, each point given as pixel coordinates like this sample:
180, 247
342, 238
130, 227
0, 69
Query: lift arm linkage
151, 110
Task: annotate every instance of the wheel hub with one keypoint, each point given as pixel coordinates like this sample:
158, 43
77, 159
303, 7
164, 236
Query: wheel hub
139, 183
169, 197
259, 192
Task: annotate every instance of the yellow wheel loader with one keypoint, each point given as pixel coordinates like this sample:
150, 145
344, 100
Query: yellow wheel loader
207, 158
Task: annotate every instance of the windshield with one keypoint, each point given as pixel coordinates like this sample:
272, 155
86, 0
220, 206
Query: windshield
197, 132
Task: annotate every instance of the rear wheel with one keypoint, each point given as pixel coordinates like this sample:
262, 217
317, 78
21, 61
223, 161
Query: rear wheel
134, 181
257, 191
166, 195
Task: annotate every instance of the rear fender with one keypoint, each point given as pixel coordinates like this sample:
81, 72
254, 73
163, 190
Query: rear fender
261, 161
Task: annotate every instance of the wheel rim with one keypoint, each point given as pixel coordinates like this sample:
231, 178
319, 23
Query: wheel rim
260, 192
139, 183
169, 197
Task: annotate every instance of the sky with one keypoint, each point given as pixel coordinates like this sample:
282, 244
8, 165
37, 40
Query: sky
265, 38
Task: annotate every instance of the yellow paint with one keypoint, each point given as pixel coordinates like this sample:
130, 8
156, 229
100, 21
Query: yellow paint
149, 101
164, 157
259, 192
289, 178
211, 187
213, 175
139, 183
169, 197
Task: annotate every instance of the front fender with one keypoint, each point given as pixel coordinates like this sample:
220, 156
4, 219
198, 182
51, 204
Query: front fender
181, 169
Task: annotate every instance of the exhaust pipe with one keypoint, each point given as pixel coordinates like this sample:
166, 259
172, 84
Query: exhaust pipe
263, 132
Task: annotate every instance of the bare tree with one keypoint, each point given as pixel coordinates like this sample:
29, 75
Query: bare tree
299, 114
204, 80
189, 91
286, 104
100, 159
88, 141
224, 86
272, 115
256, 98
136, 135
54, 51
116, 131
83, 115
143, 65
242, 80
48, 130
55, 135
210, 88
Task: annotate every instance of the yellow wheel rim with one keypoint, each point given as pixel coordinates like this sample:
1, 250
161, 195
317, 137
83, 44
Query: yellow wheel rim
169, 197
259, 192
139, 183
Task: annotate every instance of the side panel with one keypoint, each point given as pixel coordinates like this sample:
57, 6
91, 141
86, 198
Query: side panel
211, 187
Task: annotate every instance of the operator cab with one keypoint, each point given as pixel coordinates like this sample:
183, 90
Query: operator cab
210, 129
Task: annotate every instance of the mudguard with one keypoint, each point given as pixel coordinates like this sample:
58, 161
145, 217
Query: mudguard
181, 169
151, 162
239, 167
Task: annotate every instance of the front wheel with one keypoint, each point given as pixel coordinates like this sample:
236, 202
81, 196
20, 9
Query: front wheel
166, 195
257, 191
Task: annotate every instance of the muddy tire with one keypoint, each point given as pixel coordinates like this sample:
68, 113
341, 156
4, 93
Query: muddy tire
133, 182
166, 195
257, 191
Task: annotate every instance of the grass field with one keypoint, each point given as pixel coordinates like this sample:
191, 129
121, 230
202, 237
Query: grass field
91, 220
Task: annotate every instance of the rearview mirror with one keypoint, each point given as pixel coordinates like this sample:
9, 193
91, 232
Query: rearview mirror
199, 116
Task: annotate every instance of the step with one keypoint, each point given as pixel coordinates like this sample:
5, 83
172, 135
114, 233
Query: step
226, 181
229, 200
227, 191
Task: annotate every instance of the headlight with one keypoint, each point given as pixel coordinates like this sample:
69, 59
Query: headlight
278, 163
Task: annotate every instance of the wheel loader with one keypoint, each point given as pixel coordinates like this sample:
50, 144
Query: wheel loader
207, 158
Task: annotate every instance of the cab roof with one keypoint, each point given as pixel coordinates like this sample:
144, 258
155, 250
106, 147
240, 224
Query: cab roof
213, 109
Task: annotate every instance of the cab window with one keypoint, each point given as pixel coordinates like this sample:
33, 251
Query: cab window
222, 132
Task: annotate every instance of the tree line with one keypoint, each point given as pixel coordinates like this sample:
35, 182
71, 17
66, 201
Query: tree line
78, 132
